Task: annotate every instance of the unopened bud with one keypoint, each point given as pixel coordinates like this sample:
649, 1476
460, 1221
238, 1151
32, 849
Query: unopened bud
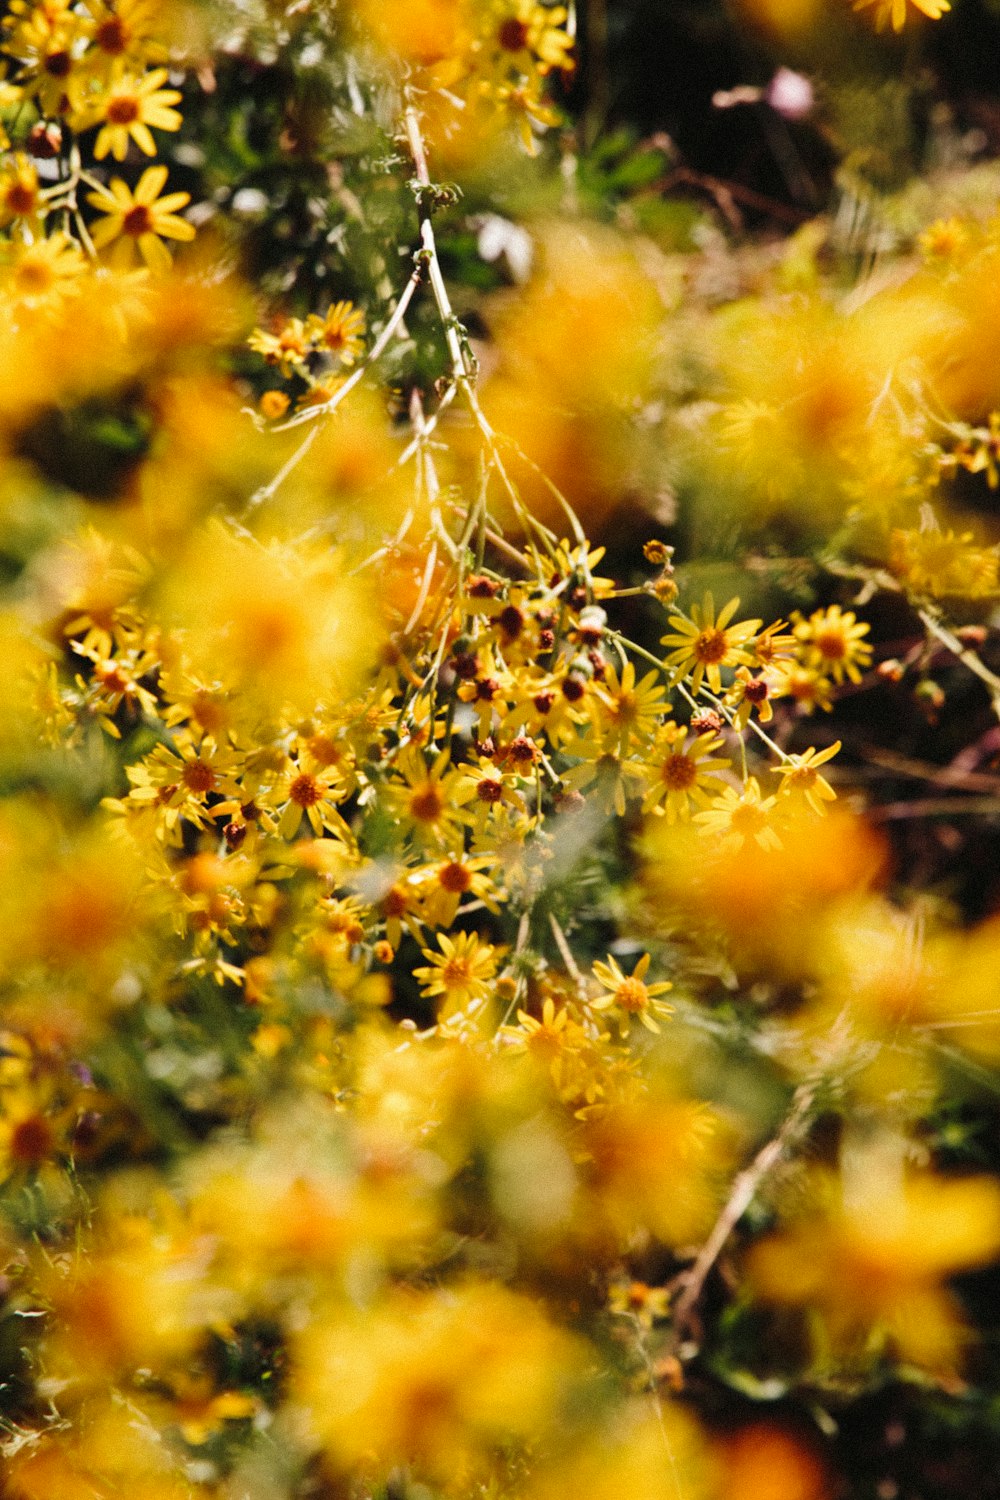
45, 140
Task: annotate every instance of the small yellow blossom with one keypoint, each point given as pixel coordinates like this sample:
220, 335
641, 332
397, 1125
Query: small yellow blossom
630, 994
706, 643
739, 816
139, 221
131, 106
460, 973
832, 641
340, 332
895, 11
802, 778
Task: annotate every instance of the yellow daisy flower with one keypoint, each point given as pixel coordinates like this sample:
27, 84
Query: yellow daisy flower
130, 107
139, 221
801, 776
688, 772
739, 816
895, 11
19, 191
340, 333
707, 642
831, 641
39, 275
460, 972
630, 994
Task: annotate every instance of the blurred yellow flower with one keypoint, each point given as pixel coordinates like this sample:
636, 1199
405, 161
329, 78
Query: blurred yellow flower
895, 11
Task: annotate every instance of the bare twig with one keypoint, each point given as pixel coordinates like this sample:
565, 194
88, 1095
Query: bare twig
742, 1195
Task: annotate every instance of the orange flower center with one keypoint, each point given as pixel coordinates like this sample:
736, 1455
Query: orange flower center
31, 1140
305, 790
198, 777
513, 35
33, 276
20, 198
124, 110
427, 804
455, 878
710, 647
747, 820
678, 773
831, 645
490, 790
456, 973
110, 36
138, 221
631, 995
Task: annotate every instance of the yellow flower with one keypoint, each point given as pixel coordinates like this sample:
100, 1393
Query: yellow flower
895, 11
687, 773
635, 1299
873, 1266
312, 793
140, 221
738, 816
39, 275
460, 972
612, 778
802, 776
706, 643
944, 239
530, 35
549, 1038
442, 885
422, 797
487, 788
121, 31
19, 191
340, 333
629, 710
831, 642
944, 562
132, 105
630, 994
288, 348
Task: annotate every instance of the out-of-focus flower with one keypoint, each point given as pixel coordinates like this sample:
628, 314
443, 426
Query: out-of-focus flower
895, 12
873, 1264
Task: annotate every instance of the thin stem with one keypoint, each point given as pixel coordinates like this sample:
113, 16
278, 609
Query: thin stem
743, 1192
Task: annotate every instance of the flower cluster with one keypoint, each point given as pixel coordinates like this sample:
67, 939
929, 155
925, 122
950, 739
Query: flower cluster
456, 1030
83, 77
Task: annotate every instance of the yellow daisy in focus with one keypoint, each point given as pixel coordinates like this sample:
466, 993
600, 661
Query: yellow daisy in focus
895, 11
461, 972
140, 220
131, 106
707, 642
687, 772
630, 994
